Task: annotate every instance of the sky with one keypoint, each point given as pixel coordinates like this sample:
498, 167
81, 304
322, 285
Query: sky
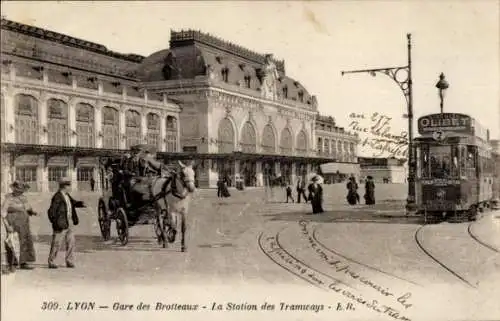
318, 40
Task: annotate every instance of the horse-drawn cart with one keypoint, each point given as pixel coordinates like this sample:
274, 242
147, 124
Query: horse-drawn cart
112, 206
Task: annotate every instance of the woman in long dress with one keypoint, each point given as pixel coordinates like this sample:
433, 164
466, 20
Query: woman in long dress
16, 212
316, 195
352, 191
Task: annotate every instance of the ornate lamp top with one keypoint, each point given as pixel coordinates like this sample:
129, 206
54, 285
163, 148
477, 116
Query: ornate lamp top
442, 84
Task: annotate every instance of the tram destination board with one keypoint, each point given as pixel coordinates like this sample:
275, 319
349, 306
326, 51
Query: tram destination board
459, 123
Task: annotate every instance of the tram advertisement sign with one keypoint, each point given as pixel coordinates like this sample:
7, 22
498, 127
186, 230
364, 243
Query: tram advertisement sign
445, 122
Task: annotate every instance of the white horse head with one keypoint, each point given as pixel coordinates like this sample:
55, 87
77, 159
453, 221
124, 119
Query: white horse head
188, 176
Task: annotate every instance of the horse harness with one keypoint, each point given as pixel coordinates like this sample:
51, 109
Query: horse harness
165, 190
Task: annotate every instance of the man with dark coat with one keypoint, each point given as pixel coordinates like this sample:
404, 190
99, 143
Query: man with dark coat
92, 183
301, 188
369, 191
62, 216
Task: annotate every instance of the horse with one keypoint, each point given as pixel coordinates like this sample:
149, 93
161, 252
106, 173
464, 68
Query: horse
171, 196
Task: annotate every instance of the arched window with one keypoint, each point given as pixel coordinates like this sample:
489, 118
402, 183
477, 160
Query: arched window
57, 122
352, 151
301, 143
85, 125
248, 139
319, 146
2, 118
286, 142
285, 92
225, 74
340, 152
153, 133
268, 140
334, 148
225, 136
171, 134
301, 96
346, 152
27, 124
110, 128
132, 128
326, 145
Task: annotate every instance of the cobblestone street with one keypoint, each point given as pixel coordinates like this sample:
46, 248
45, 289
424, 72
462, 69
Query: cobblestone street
241, 243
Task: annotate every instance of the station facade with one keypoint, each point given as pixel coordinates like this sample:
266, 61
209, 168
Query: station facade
66, 103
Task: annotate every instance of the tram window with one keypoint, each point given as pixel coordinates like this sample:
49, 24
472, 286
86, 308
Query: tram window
463, 161
471, 161
454, 161
423, 157
441, 161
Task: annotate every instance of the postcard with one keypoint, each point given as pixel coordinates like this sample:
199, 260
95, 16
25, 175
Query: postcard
233, 160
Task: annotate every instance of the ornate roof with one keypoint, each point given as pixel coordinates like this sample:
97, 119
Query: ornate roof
66, 40
193, 53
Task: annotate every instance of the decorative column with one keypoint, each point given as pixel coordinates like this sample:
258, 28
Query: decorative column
42, 118
123, 126
260, 177
45, 76
277, 169
97, 176
72, 122
10, 118
6, 168
42, 173
98, 126
308, 170
72, 173
293, 169
163, 132
144, 126
236, 170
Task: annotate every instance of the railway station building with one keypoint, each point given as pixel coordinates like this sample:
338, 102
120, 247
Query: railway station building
68, 103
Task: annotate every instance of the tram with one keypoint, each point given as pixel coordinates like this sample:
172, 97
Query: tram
455, 167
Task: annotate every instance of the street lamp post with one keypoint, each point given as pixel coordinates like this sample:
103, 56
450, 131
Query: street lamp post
406, 86
442, 85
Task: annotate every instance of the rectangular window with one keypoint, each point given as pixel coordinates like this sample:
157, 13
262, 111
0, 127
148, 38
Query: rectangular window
83, 175
55, 174
27, 175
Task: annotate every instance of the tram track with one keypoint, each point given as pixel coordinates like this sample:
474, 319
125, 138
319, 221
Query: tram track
420, 245
478, 240
279, 247
335, 252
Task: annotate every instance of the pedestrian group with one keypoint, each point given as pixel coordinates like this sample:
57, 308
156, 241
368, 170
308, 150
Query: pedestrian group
16, 212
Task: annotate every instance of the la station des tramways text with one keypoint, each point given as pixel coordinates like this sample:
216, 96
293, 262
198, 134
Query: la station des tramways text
68, 103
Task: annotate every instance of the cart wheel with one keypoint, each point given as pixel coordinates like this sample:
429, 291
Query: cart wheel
104, 221
122, 226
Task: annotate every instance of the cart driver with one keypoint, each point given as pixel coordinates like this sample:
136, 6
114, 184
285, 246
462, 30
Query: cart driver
151, 165
131, 169
147, 168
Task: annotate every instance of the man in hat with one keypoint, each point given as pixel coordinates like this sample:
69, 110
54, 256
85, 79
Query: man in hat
151, 165
149, 168
63, 217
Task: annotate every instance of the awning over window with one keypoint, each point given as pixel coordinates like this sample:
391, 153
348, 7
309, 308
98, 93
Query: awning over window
343, 168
